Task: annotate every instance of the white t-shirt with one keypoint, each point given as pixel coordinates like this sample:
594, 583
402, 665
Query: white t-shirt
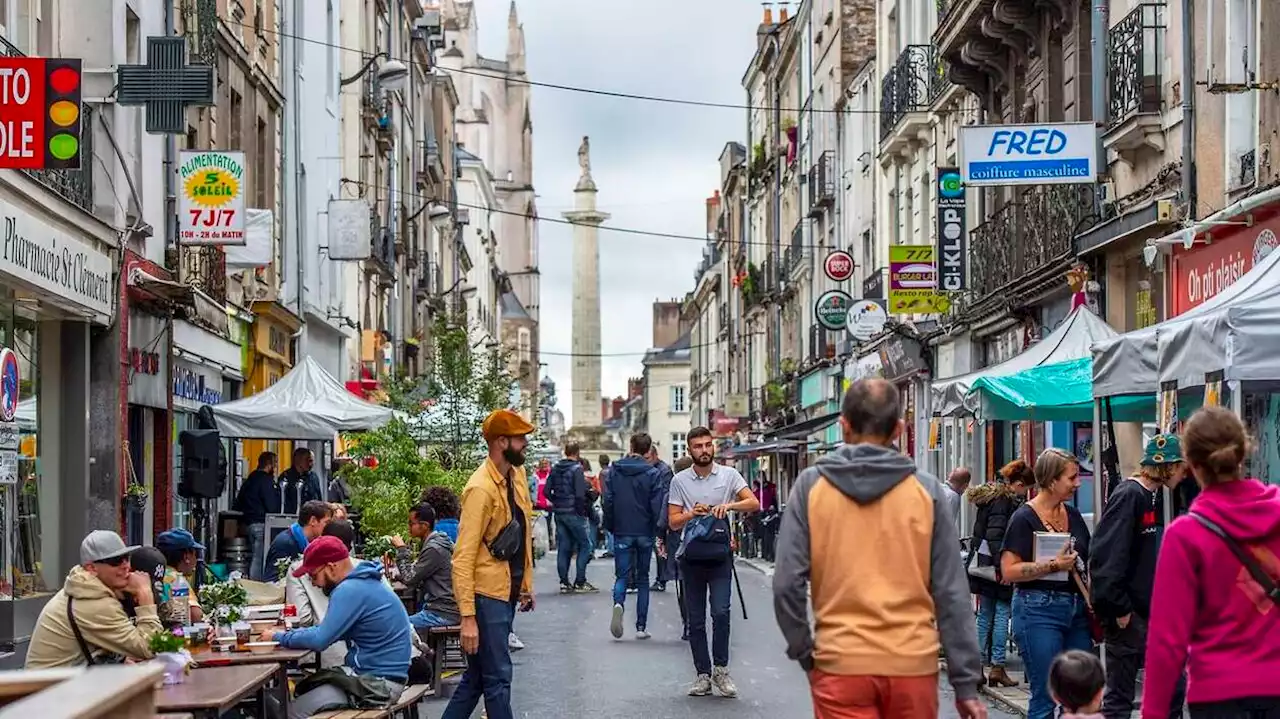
721, 486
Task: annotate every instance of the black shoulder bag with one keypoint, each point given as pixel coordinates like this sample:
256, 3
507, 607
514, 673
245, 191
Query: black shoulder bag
510, 540
1269, 586
75, 628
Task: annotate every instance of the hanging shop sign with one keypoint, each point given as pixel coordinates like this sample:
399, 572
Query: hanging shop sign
873, 285
143, 361
1204, 270
1063, 153
211, 198
838, 265
147, 360
35, 253
952, 239
39, 113
10, 380
832, 308
913, 281
866, 319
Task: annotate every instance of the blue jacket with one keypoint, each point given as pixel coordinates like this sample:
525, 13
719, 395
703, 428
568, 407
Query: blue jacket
634, 498
287, 544
258, 497
567, 488
370, 618
298, 489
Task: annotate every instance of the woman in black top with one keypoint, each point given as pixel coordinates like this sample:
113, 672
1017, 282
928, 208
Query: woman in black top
996, 502
1049, 612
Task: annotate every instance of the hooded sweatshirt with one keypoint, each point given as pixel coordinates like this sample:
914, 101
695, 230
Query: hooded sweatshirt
1207, 611
102, 621
431, 576
634, 498
874, 541
566, 488
370, 618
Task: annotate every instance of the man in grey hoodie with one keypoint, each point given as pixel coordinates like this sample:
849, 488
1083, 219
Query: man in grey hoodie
873, 538
431, 575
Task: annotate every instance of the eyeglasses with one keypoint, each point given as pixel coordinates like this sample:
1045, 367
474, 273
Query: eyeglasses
114, 561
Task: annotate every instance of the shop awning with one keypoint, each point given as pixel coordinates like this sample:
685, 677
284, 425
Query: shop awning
1058, 392
306, 404
802, 430
757, 448
1070, 341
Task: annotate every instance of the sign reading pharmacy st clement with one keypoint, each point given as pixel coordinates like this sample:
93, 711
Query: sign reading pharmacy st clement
35, 253
211, 189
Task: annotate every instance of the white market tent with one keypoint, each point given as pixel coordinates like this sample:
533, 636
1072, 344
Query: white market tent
1234, 332
1070, 341
306, 404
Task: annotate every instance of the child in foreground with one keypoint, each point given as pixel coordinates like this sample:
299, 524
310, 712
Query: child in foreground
1076, 682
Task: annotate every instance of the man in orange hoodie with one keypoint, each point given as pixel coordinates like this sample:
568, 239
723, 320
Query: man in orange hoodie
874, 540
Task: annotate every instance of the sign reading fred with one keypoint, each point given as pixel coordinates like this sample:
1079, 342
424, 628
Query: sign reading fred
1044, 154
211, 198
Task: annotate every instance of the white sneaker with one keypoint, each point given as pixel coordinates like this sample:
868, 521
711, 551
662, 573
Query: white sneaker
514, 643
642, 634
701, 686
615, 623
723, 684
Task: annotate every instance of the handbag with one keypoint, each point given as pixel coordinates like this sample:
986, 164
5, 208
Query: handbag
510, 540
1251, 565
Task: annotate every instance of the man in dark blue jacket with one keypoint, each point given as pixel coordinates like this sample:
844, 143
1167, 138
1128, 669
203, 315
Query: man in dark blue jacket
257, 498
567, 490
299, 483
633, 504
291, 543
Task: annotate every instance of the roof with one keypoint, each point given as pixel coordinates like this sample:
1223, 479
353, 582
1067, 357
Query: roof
511, 307
678, 351
463, 155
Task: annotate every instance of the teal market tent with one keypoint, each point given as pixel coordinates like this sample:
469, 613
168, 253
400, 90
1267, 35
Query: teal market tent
1058, 392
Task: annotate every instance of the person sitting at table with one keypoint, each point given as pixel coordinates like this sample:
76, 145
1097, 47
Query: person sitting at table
430, 576
364, 613
181, 554
85, 622
290, 544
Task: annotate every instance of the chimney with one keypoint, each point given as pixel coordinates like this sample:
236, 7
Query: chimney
768, 13
782, 11
713, 213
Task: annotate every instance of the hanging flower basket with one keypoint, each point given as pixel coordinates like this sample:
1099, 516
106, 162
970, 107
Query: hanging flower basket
135, 496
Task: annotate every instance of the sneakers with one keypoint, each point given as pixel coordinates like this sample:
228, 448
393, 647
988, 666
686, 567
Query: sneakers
566, 588
658, 587
642, 634
723, 684
615, 624
701, 686
514, 643
585, 588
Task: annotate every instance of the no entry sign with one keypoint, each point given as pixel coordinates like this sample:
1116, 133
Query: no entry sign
39, 113
838, 265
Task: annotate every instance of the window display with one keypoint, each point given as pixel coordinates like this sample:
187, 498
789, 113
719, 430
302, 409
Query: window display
20, 480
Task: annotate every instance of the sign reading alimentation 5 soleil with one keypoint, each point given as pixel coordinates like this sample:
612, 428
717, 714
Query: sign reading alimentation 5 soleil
211, 188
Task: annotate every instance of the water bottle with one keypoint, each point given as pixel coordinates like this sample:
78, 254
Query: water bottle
180, 596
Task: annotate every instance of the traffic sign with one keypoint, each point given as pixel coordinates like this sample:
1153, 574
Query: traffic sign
832, 309
10, 379
838, 265
39, 113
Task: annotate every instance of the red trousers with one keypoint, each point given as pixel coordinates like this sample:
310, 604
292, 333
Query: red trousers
863, 697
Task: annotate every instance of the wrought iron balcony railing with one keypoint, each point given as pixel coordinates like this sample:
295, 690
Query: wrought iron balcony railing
74, 186
204, 268
822, 182
944, 8
383, 251
1136, 53
916, 79
1026, 235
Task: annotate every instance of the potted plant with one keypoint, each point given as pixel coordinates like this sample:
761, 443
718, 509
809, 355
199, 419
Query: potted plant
225, 603
788, 366
170, 650
282, 567
377, 547
135, 496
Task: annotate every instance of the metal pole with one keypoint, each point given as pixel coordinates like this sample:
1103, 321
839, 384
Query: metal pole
1098, 58
1188, 109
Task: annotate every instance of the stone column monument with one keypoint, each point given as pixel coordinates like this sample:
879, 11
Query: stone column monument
586, 219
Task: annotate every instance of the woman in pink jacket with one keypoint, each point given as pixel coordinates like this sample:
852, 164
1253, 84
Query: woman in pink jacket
1210, 611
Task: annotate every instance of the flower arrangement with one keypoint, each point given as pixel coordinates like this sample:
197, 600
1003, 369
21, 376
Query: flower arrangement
282, 567
170, 650
165, 642
227, 600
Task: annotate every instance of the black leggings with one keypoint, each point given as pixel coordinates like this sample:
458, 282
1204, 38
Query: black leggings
1252, 708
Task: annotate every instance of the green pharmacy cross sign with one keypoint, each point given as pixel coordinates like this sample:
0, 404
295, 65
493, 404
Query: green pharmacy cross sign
832, 309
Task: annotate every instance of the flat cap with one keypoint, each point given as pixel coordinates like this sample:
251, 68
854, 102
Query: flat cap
505, 423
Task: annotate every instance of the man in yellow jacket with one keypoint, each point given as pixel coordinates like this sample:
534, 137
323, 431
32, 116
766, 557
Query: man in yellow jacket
493, 566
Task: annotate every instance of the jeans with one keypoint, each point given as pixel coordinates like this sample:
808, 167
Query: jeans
700, 582
489, 669
993, 629
571, 536
631, 558
426, 619
257, 552
1047, 624
551, 528
608, 541
594, 529
1126, 649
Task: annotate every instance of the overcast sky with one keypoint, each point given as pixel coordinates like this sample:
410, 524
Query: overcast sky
655, 164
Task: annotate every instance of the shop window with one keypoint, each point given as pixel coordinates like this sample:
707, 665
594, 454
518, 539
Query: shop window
22, 488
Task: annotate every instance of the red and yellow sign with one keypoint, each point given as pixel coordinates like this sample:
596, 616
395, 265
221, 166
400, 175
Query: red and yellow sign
39, 113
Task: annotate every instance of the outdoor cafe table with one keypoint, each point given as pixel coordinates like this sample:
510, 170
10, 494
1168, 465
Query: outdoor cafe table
210, 691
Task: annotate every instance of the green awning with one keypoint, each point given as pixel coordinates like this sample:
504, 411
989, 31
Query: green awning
1059, 392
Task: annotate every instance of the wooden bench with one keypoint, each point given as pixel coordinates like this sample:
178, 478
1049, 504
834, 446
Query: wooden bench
115, 692
446, 647
406, 707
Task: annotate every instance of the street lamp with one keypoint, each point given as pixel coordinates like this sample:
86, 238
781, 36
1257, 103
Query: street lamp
392, 74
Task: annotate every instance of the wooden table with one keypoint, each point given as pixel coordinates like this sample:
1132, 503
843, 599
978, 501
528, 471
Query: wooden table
208, 657
210, 691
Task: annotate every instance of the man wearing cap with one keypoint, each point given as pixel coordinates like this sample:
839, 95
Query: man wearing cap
181, 554
85, 622
363, 612
1123, 566
493, 566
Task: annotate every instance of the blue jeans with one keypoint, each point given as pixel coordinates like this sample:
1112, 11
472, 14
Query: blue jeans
257, 553
1047, 624
571, 536
489, 669
703, 582
631, 556
993, 628
427, 619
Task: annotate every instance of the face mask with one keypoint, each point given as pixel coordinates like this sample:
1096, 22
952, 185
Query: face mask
514, 458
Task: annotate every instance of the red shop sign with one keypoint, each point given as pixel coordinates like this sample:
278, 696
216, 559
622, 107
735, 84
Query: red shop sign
1207, 269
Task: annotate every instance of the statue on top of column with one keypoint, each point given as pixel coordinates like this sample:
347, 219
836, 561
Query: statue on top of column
584, 161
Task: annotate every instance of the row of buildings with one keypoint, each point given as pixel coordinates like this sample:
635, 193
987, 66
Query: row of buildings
855, 115
121, 333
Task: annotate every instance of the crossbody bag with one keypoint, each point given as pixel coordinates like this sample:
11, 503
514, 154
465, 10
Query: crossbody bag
75, 629
510, 539
1251, 565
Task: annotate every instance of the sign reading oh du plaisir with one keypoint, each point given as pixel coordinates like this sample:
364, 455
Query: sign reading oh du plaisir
1042, 154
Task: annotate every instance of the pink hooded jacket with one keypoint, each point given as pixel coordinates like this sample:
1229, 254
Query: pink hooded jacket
1207, 613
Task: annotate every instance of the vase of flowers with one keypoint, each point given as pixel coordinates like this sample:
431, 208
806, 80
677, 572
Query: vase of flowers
171, 652
225, 601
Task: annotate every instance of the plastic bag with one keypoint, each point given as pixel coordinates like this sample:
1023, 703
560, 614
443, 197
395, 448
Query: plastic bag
541, 541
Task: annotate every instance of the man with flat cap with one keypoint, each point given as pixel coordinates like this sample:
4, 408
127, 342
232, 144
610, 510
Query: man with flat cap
493, 566
85, 622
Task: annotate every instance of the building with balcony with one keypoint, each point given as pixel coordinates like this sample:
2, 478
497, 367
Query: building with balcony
706, 312
482, 282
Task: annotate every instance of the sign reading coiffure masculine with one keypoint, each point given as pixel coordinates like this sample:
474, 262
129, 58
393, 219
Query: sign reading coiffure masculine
952, 246
51, 260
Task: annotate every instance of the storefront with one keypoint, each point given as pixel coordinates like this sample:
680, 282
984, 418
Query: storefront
206, 371
146, 449
270, 358
1201, 272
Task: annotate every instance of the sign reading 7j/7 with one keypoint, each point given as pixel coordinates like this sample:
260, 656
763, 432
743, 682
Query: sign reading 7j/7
211, 204
913, 281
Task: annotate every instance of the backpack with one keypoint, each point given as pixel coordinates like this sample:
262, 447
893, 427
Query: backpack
706, 541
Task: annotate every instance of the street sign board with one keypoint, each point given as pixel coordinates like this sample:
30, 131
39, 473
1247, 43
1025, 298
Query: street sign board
1062, 153
832, 309
866, 319
913, 283
39, 113
211, 198
953, 253
838, 265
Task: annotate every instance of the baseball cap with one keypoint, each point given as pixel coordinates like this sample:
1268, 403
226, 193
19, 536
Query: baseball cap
103, 544
149, 561
178, 539
321, 551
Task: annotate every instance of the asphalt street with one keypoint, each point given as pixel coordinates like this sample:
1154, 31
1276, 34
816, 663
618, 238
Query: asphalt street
571, 664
